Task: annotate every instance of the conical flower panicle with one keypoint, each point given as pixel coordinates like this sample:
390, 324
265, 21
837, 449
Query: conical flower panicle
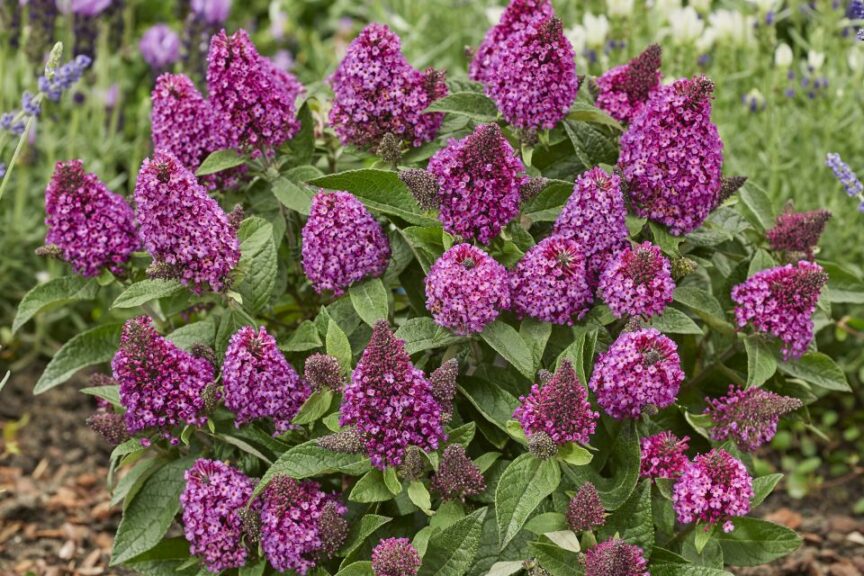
342, 243
161, 385
443, 381
91, 227
625, 89
323, 372
780, 302
748, 416
637, 282
558, 408
255, 98
672, 156
466, 289
663, 455
259, 382
479, 181
395, 557
550, 282
640, 370
520, 14
212, 501
377, 92
585, 510
714, 487
184, 230
798, 232
390, 401
457, 477
615, 558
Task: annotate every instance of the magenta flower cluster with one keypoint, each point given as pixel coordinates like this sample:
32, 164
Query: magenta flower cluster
479, 179
92, 227
640, 369
558, 408
466, 289
258, 381
623, 90
748, 416
637, 282
615, 558
161, 385
780, 302
549, 283
377, 92
212, 501
664, 455
672, 156
519, 15
185, 231
595, 216
532, 75
714, 487
293, 533
342, 243
255, 97
395, 557
390, 401
798, 232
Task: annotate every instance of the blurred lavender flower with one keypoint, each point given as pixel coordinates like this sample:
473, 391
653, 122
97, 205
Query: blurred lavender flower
844, 174
160, 47
10, 16
2, 170
212, 12
754, 100
83, 7
63, 78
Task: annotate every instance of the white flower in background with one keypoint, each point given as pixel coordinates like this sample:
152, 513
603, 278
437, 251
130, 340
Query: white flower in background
754, 100
278, 21
815, 59
855, 58
664, 7
765, 6
493, 14
732, 27
700, 5
685, 25
783, 56
42, 277
620, 7
578, 37
706, 41
596, 29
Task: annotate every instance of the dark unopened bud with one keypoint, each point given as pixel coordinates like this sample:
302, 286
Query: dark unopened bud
682, 267
390, 149
110, 426
324, 372
423, 186
251, 524
395, 557
528, 136
532, 568
542, 446
50, 251
728, 187
633, 324
532, 188
161, 271
98, 379
413, 464
211, 396
642, 73
585, 511
235, 217
333, 530
457, 477
543, 377
348, 441
205, 352
443, 381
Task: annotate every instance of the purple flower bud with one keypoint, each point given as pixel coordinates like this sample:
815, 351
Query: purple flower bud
457, 477
443, 380
748, 416
346, 441
212, 12
615, 558
89, 7
663, 455
625, 89
585, 511
423, 186
323, 372
109, 425
714, 488
160, 46
395, 557
798, 231
846, 176
637, 282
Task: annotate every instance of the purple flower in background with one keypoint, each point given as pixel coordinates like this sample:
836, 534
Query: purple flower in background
520, 14
85, 7
559, 408
395, 557
64, 77
595, 217
585, 510
378, 92
550, 282
212, 501
637, 282
615, 558
185, 231
663, 455
342, 243
160, 46
390, 401
780, 302
259, 382
625, 89
714, 488
92, 227
256, 99
672, 156
161, 385
457, 477
798, 231
639, 370
297, 524
479, 179
213, 12
466, 289
748, 416
845, 175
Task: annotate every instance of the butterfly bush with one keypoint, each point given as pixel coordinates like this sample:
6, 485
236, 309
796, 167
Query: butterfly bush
481, 312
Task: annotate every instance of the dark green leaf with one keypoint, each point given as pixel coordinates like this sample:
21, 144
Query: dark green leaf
505, 340
363, 568
297, 197
451, 551
754, 542
371, 488
685, 570
666, 241
361, 530
547, 205
556, 560
309, 459
757, 206
423, 334
761, 364
844, 286
338, 345
56, 292
634, 520
258, 262
674, 321
370, 300
315, 406
584, 112
817, 369
201, 332
761, 261
762, 487
302, 145
536, 335
474, 105
146, 291
593, 144
525, 483
110, 394
87, 348
220, 160
493, 402
305, 337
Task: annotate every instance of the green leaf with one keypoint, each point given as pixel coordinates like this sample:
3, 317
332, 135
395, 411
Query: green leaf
54, 293
146, 291
302, 145
370, 300
844, 286
220, 160
761, 364
698, 299
462, 435
535, 334
674, 321
361, 530
583, 112
686, 570
201, 332
426, 242
256, 569
754, 542
486, 461
371, 488
565, 539
419, 495
87, 348
363, 568
662, 238
258, 262
547, 205
493, 402
546, 522
574, 454
817, 369
297, 197
151, 512
592, 144
505, 340
757, 206
315, 406
634, 520
380, 190
701, 538
338, 345
110, 394
304, 338
761, 261
394, 485
451, 551
476, 106
505, 568
556, 560
762, 487
308, 459
422, 334
525, 483
130, 484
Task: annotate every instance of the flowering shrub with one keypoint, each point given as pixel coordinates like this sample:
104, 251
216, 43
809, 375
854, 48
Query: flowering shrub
481, 341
